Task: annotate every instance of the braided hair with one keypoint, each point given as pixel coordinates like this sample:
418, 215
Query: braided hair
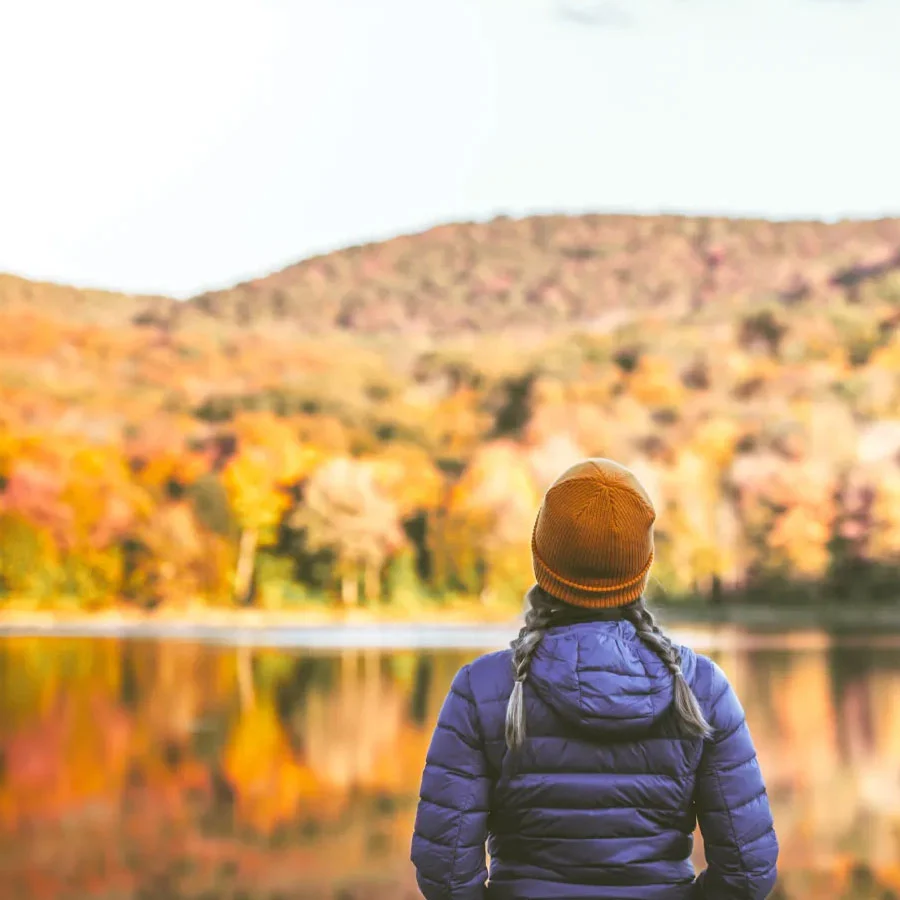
544, 612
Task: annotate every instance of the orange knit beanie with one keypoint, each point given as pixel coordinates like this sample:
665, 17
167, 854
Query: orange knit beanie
592, 544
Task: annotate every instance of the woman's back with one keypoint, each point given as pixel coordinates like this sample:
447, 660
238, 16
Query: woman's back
585, 757
602, 800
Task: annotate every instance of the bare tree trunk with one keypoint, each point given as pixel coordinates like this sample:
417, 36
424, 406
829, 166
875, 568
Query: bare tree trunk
372, 581
350, 586
243, 574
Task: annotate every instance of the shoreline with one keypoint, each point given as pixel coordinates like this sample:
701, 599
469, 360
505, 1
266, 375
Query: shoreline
460, 628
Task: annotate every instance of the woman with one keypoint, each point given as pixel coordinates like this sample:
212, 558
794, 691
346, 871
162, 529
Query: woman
586, 755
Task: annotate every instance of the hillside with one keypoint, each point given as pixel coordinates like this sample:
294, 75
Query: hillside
536, 273
550, 271
381, 422
23, 297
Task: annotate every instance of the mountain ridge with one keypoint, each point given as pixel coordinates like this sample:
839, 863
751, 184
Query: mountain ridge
538, 272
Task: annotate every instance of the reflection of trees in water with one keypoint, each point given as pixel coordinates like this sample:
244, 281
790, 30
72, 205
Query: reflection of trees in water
867, 684
179, 681
851, 670
350, 729
799, 748
366, 725
268, 763
829, 743
828, 740
307, 675
418, 704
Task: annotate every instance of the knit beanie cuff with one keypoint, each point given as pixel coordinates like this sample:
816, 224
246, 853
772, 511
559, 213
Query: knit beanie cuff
597, 595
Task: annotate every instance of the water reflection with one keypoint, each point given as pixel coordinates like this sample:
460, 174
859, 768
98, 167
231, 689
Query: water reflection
175, 770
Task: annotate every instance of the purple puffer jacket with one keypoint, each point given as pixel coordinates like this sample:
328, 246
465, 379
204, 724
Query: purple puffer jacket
603, 799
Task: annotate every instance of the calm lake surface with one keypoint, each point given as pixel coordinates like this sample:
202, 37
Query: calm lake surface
175, 769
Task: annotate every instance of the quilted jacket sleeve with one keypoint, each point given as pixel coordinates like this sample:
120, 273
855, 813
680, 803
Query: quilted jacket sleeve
448, 846
732, 806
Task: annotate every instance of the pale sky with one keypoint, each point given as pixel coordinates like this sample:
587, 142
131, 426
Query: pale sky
179, 145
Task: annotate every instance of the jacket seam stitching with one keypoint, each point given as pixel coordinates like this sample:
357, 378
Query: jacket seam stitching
473, 703
740, 852
466, 807
578, 673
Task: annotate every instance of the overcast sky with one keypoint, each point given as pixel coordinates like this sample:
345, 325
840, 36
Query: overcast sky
179, 145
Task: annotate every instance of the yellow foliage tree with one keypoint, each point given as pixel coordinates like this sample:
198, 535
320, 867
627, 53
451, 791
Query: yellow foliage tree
407, 474
655, 382
489, 518
269, 458
105, 504
181, 563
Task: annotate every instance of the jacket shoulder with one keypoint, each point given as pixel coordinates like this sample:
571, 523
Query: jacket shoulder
713, 690
706, 678
491, 676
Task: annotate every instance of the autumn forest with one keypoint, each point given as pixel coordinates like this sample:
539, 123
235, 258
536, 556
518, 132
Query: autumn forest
375, 427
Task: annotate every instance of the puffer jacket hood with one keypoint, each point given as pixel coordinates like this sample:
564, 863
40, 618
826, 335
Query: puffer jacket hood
602, 800
600, 678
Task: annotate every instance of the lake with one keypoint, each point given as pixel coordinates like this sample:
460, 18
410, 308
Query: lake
186, 770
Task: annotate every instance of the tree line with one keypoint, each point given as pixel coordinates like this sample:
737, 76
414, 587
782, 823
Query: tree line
748, 372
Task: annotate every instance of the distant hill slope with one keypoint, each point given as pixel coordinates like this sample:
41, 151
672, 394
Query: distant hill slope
75, 304
542, 272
